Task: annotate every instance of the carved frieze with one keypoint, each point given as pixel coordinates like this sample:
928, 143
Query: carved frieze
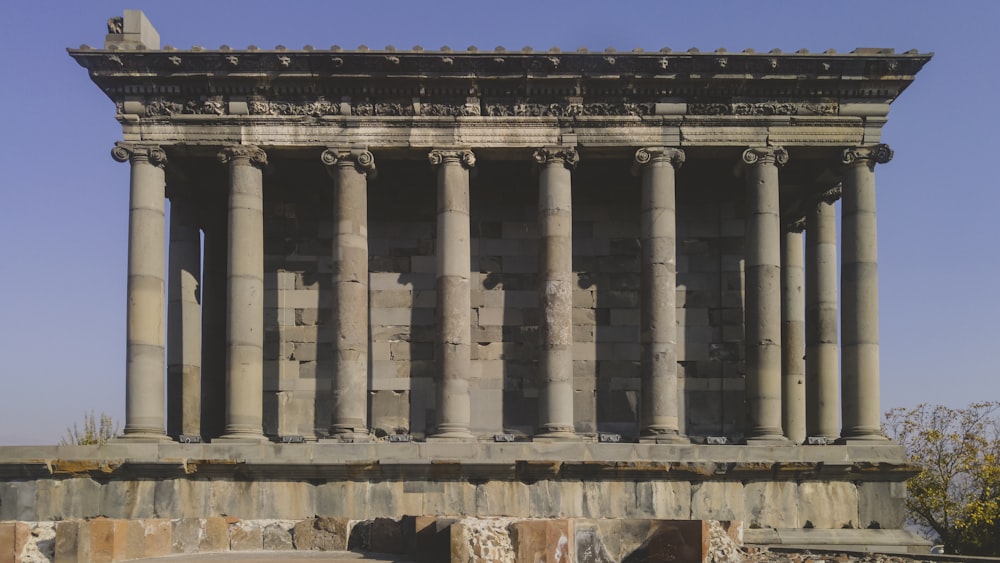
316, 108
763, 108
568, 109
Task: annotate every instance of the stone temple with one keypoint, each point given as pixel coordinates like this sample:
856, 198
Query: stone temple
575, 286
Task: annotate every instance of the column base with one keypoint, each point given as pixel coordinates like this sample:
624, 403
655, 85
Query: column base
768, 441
665, 438
241, 439
140, 437
556, 436
451, 436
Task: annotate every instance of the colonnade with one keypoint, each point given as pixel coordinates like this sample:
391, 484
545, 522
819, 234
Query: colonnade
788, 399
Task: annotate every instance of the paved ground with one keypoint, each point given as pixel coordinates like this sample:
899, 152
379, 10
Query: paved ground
277, 557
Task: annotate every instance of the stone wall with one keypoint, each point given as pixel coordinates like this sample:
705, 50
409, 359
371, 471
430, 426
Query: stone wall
504, 390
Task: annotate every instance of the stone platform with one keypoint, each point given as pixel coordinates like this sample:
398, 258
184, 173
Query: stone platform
841, 489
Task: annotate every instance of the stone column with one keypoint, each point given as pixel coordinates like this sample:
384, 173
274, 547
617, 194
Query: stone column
859, 279
822, 371
350, 169
213, 318
555, 295
658, 313
793, 347
763, 293
245, 290
144, 348
184, 318
453, 338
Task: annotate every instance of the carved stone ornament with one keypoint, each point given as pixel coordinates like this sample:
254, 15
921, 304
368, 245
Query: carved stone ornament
465, 157
116, 26
878, 154
362, 160
254, 155
450, 110
123, 152
765, 155
569, 109
797, 225
763, 108
205, 105
831, 195
646, 155
549, 155
315, 108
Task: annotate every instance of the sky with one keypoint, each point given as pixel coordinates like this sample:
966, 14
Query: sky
64, 201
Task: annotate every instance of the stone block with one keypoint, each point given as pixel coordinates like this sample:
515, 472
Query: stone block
831, 504
157, 537
717, 500
542, 541
130, 499
13, 537
671, 540
771, 504
243, 537
17, 501
276, 538
105, 543
72, 542
186, 535
214, 536
432, 538
321, 534
881, 505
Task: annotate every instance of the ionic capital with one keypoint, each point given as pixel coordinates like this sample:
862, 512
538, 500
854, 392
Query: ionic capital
361, 159
870, 156
765, 155
830, 196
125, 152
567, 156
647, 155
248, 154
464, 157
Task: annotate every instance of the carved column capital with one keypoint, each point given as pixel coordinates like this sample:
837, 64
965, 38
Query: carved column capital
796, 225
765, 155
646, 155
830, 196
126, 152
252, 154
361, 159
549, 155
876, 154
465, 157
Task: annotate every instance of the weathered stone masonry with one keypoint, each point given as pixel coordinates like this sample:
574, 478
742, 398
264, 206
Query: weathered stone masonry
466, 248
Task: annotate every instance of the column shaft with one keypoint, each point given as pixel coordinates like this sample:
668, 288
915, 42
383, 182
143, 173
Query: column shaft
349, 320
213, 319
144, 349
793, 347
555, 269
822, 371
658, 313
184, 320
453, 337
763, 293
859, 279
245, 289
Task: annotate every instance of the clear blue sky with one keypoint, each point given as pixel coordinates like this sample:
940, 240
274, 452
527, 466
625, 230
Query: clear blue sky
63, 212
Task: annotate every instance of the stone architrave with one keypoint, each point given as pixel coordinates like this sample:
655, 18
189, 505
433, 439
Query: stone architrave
144, 349
555, 295
763, 293
184, 317
793, 346
245, 289
453, 337
859, 293
350, 170
822, 370
658, 313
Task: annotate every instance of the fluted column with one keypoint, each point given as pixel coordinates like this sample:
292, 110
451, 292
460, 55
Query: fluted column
859, 286
822, 370
350, 169
184, 317
144, 348
763, 293
453, 337
555, 292
658, 314
793, 347
245, 289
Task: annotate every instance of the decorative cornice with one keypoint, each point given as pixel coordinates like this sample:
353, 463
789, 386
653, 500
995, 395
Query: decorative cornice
464, 157
252, 154
567, 156
361, 159
765, 155
126, 152
870, 156
672, 155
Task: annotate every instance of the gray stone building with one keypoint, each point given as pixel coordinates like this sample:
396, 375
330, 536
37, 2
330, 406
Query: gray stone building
531, 284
